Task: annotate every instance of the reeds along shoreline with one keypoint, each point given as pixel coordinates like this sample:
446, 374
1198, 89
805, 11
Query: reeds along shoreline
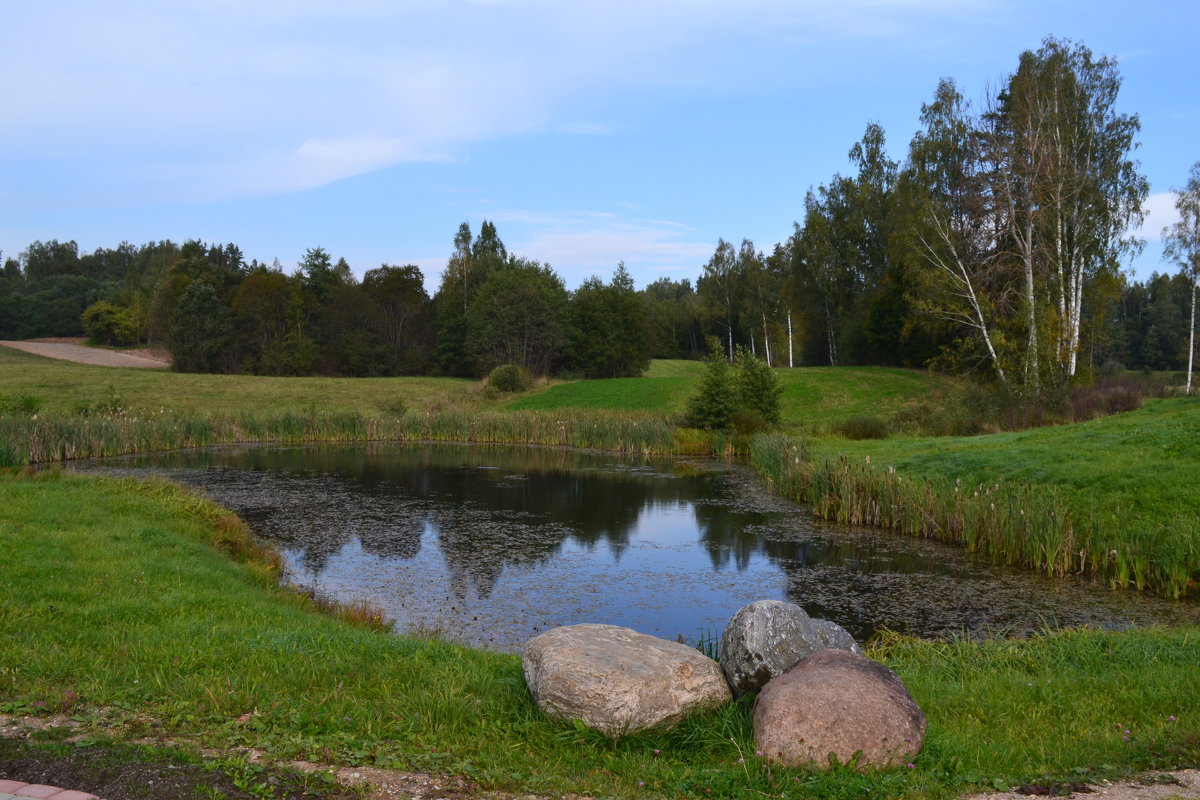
1018, 525
28, 440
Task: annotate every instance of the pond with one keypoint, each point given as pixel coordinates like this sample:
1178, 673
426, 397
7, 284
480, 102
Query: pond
492, 545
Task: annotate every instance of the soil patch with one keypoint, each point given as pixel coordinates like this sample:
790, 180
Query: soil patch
71, 350
130, 772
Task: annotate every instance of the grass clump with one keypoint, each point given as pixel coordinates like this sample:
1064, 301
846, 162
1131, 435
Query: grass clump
860, 427
509, 378
23, 404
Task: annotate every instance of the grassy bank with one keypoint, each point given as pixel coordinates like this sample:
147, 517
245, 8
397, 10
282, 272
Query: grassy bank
813, 397
123, 609
1114, 497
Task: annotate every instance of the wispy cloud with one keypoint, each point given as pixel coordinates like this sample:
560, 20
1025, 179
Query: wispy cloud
1160, 213
279, 96
580, 244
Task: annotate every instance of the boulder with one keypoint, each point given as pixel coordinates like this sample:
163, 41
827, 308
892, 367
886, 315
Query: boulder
837, 703
835, 636
769, 637
618, 681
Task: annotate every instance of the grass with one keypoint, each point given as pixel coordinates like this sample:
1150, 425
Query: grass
121, 603
63, 387
1114, 497
121, 610
813, 397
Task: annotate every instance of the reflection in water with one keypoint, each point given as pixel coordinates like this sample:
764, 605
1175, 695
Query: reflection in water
492, 545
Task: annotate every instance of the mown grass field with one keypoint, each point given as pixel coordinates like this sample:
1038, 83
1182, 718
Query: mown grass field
123, 608
62, 387
813, 397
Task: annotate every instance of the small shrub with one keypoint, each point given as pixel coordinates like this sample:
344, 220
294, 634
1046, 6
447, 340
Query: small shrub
748, 422
510, 378
744, 397
713, 405
23, 404
857, 428
396, 407
758, 387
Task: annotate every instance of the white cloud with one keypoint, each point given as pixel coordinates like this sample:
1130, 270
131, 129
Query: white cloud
320, 161
1160, 213
579, 244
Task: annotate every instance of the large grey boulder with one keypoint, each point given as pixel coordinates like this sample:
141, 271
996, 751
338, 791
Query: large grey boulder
840, 703
769, 637
618, 681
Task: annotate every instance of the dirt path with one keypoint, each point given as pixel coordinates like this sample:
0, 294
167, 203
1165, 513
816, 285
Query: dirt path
90, 355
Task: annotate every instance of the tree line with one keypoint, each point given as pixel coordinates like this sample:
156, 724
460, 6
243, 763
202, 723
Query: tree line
995, 247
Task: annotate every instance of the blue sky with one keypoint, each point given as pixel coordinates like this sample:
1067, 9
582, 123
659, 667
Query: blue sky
590, 132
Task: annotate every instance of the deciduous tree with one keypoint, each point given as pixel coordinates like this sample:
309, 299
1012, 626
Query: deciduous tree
1183, 245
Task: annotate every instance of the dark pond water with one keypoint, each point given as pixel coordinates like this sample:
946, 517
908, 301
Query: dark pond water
491, 545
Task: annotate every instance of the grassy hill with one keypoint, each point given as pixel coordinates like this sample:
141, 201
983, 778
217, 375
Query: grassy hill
812, 396
63, 387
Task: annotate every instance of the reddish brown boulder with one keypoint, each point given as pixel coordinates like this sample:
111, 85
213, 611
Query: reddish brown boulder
838, 703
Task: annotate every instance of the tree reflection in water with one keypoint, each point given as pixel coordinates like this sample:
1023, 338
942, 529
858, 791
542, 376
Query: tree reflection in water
493, 544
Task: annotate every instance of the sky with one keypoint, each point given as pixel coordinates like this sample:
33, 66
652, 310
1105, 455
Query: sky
589, 132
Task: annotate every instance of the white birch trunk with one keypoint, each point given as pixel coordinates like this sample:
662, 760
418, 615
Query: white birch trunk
960, 274
1191, 340
766, 341
789, 315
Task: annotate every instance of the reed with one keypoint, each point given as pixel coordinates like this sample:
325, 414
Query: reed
1013, 523
26, 440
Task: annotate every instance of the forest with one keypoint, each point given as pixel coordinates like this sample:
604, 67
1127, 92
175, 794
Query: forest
996, 248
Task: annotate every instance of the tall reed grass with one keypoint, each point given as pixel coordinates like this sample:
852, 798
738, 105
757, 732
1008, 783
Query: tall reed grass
34, 439
1014, 524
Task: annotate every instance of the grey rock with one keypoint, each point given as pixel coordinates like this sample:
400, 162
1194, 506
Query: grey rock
837, 703
835, 636
769, 637
618, 681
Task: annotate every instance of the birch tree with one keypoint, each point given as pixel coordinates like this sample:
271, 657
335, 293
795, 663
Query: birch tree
1069, 189
956, 223
1183, 245
719, 287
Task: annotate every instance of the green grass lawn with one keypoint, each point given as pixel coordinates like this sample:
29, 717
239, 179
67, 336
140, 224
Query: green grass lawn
812, 396
62, 386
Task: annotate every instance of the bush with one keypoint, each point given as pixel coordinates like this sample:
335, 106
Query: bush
714, 403
858, 428
758, 387
509, 378
745, 397
105, 323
